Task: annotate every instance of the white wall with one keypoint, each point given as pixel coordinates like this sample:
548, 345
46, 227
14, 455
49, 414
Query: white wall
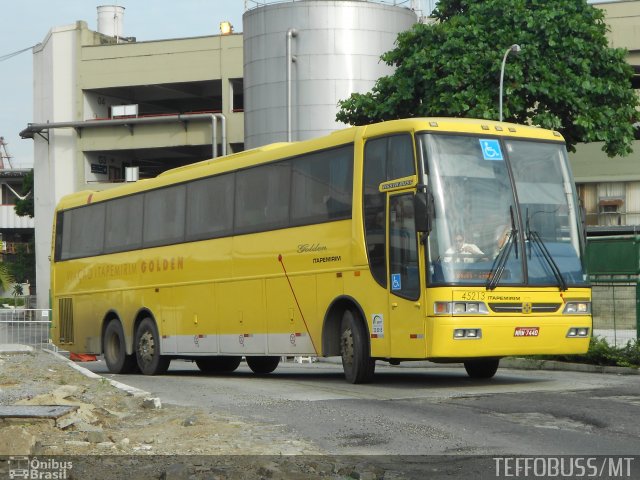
55, 167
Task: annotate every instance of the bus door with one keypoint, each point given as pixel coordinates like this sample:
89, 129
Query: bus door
405, 299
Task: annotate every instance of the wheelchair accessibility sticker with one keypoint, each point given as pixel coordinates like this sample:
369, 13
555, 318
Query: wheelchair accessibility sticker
491, 149
396, 283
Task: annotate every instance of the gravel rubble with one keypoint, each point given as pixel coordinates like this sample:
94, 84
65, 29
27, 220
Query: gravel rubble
112, 433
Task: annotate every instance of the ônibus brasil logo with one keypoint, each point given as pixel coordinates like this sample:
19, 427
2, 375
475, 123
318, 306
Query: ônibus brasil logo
41, 469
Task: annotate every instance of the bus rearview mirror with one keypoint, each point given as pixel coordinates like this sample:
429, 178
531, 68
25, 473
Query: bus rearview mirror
423, 210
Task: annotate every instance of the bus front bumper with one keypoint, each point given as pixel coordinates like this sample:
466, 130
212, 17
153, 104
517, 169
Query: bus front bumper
477, 336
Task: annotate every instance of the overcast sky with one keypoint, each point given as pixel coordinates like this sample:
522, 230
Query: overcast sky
26, 23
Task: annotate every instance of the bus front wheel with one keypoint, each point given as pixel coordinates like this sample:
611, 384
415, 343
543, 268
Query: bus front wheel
114, 349
148, 355
357, 363
218, 364
263, 365
485, 368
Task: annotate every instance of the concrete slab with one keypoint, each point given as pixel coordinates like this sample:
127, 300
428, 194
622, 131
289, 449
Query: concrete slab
35, 411
14, 348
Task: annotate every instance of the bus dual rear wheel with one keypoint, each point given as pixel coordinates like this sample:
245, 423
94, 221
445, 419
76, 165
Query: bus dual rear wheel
263, 365
147, 345
357, 363
482, 368
218, 364
114, 349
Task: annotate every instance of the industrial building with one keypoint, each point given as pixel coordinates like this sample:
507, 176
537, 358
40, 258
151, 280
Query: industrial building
110, 109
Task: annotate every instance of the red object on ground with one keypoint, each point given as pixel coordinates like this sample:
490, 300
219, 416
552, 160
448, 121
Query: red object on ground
82, 357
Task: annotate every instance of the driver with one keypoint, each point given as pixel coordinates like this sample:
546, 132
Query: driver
462, 251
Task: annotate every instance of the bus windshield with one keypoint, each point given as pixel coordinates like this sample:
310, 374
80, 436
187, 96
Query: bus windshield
505, 212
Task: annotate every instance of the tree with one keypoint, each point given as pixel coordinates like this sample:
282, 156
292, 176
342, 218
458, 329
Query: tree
23, 264
24, 205
6, 280
565, 78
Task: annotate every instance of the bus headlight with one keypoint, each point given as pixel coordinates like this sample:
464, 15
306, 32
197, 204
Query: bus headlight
467, 333
578, 332
577, 308
460, 308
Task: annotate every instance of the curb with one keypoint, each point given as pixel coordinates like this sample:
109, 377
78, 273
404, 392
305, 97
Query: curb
129, 390
518, 363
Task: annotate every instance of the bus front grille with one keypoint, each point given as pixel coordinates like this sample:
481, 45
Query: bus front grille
518, 307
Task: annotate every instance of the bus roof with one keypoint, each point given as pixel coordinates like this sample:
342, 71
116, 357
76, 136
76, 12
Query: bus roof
267, 153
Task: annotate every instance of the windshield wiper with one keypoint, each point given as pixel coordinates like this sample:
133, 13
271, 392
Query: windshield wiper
499, 264
534, 236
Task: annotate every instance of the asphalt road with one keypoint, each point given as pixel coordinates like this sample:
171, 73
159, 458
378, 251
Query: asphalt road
424, 410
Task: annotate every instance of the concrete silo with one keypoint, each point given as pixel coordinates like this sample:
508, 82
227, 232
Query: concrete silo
301, 57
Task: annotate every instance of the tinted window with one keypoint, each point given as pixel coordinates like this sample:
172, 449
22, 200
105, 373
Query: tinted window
164, 216
83, 231
322, 186
385, 159
403, 247
262, 197
400, 157
310, 188
124, 224
210, 207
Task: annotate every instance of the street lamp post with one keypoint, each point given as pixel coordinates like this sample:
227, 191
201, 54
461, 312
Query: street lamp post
515, 48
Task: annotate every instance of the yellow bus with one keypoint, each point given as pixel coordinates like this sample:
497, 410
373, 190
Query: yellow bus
450, 240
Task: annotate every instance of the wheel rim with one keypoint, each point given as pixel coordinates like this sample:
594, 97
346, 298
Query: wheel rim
146, 347
347, 348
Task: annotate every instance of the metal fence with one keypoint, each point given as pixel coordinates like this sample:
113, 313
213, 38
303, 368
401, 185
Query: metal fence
26, 326
615, 311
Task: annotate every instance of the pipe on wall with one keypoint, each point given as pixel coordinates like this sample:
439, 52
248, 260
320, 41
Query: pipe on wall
291, 33
36, 128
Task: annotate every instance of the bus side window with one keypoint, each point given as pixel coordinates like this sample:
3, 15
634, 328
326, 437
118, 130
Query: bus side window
262, 198
403, 248
164, 216
385, 158
83, 232
322, 186
375, 172
210, 207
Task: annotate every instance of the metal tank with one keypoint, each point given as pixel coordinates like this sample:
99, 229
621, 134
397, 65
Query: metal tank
301, 57
111, 20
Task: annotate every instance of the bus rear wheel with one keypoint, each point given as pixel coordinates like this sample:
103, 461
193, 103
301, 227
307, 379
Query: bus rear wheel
263, 365
357, 363
148, 355
485, 368
115, 351
218, 364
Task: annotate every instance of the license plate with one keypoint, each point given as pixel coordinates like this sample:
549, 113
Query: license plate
526, 332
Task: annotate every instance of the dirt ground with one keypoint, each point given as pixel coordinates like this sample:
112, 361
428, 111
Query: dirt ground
110, 432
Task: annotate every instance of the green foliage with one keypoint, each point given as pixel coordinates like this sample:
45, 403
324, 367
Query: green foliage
24, 208
17, 302
18, 291
23, 265
601, 353
6, 279
565, 78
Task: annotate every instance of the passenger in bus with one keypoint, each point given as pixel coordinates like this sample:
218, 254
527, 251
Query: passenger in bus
502, 235
462, 251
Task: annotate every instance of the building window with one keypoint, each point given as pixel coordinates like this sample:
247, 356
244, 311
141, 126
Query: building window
237, 94
610, 211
